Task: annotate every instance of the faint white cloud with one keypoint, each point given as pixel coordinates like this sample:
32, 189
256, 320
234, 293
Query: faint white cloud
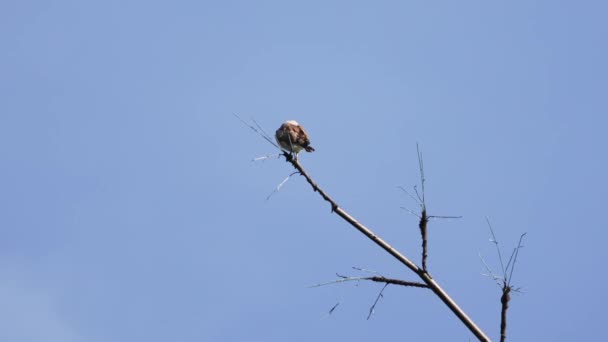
29, 313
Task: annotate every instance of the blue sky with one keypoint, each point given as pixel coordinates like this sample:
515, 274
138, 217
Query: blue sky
131, 209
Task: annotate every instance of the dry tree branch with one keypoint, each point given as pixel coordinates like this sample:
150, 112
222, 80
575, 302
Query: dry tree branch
423, 217
424, 276
505, 282
377, 279
421, 272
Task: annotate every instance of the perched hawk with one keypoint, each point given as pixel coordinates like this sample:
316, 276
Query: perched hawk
293, 138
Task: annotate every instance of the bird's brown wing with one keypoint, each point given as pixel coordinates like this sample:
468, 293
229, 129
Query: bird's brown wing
301, 138
291, 135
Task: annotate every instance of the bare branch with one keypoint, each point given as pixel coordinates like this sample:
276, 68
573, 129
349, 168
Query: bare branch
422, 273
505, 283
377, 279
398, 282
424, 276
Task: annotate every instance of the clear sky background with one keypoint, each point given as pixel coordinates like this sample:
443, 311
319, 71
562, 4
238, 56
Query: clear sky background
130, 209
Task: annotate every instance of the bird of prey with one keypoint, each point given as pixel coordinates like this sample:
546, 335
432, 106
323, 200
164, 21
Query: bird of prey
293, 138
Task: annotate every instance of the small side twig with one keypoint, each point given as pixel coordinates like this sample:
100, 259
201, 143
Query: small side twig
519, 246
424, 220
258, 130
505, 282
490, 273
333, 308
371, 309
377, 279
280, 185
266, 157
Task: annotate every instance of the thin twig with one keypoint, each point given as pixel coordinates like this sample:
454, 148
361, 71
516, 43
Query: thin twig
519, 246
490, 273
333, 308
342, 279
410, 211
366, 270
371, 309
411, 196
280, 185
424, 219
258, 130
421, 166
266, 157
506, 280
502, 265
510, 260
418, 194
377, 279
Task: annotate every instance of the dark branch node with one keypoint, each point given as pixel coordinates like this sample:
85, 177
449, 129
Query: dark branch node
424, 220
